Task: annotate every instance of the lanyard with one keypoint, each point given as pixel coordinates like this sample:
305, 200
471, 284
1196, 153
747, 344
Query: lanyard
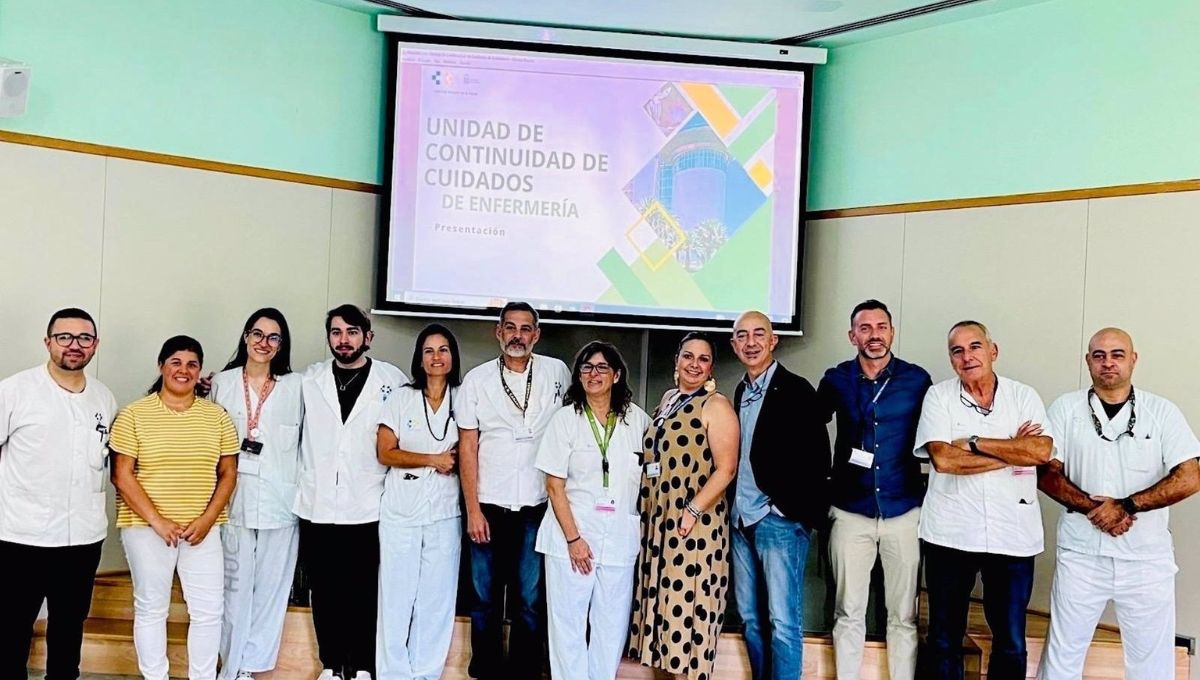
604, 441
252, 417
528, 386
1100, 428
862, 411
446, 425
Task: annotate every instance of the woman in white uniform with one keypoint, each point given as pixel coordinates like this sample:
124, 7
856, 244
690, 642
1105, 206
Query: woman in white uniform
420, 534
263, 397
591, 455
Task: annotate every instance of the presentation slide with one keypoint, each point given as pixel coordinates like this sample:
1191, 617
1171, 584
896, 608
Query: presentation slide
596, 185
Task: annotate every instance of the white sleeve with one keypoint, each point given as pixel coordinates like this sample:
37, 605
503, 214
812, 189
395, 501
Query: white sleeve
1033, 409
389, 415
1057, 425
565, 377
7, 404
1179, 442
935, 424
554, 451
466, 410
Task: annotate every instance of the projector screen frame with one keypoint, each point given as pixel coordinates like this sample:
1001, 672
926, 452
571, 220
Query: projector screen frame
395, 38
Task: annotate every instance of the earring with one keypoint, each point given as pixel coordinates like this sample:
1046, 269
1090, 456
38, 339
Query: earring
675, 378
710, 385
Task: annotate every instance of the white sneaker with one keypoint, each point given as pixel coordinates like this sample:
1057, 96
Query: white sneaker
329, 675
244, 675
362, 675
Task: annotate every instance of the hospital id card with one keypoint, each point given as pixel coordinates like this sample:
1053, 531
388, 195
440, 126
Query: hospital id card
523, 433
249, 464
653, 470
606, 504
862, 458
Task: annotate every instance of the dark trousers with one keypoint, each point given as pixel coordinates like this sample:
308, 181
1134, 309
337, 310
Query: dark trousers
342, 565
63, 578
1007, 584
509, 560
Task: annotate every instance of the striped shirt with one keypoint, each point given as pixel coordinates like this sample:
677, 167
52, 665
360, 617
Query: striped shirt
176, 454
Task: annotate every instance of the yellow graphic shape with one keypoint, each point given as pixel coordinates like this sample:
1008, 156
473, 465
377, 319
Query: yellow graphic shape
656, 207
712, 105
761, 174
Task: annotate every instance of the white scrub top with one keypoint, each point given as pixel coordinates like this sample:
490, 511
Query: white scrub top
508, 440
53, 454
419, 496
341, 479
992, 512
1161, 440
569, 450
266, 484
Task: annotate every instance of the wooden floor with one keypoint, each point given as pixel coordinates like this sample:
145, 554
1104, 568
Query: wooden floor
108, 646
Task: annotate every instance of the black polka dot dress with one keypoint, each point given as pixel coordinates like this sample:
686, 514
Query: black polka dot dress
680, 583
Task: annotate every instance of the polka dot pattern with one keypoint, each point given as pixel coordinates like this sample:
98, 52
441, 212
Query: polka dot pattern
680, 588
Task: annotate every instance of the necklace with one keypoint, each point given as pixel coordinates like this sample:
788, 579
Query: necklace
343, 385
449, 417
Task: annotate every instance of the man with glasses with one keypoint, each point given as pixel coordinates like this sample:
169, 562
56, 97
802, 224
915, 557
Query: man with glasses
54, 424
1121, 458
983, 435
779, 497
504, 407
876, 488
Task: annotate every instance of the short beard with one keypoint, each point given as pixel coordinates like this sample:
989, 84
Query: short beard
353, 357
865, 353
516, 353
62, 363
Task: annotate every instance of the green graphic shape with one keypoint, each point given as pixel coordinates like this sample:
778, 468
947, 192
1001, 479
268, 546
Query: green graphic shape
671, 284
754, 135
743, 97
736, 277
611, 297
625, 282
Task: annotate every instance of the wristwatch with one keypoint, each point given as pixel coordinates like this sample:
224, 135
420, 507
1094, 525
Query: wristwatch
1128, 505
973, 442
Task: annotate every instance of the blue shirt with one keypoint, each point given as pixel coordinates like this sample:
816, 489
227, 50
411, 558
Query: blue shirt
878, 416
750, 504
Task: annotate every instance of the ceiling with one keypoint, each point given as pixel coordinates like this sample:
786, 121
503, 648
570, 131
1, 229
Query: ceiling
827, 23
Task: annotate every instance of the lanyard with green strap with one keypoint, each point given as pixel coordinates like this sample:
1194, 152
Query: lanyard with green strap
602, 442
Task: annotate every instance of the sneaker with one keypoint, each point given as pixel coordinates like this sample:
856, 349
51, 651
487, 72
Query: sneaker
244, 675
329, 675
362, 675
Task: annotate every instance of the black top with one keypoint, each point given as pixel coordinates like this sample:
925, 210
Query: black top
1111, 410
349, 383
789, 451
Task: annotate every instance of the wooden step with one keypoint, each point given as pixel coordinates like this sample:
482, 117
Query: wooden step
108, 647
112, 598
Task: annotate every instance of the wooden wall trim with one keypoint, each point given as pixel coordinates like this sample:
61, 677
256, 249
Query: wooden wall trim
1012, 199
185, 162
367, 187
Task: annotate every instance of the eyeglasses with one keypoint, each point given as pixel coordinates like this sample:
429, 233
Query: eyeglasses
981, 410
256, 336
85, 340
598, 369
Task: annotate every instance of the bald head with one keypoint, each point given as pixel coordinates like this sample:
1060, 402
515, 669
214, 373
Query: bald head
754, 342
1110, 361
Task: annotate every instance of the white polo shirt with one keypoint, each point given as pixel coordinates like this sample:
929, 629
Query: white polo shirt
569, 450
1161, 440
53, 453
508, 439
419, 496
992, 512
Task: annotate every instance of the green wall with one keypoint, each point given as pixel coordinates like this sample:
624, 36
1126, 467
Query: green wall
1054, 95
285, 84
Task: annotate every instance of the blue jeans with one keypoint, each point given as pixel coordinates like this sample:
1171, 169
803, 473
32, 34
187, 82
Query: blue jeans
509, 560
768, 559
1007, 585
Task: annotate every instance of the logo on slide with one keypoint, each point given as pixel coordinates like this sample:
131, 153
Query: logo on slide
443, 78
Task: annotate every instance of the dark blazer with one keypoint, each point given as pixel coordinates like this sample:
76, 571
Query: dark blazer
789, 452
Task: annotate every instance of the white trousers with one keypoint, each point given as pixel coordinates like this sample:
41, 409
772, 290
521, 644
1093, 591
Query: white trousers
854, 541
259, 568
153, 565
1144, 594
601, 600
418, 582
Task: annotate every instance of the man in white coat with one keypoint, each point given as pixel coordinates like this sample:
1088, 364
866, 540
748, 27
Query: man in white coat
507, 403
1121, 458
339, 492
54, 424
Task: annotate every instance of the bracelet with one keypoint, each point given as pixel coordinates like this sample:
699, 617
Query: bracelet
691, 507
574, 539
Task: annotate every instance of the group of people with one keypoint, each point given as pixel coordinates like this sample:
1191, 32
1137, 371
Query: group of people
633, 526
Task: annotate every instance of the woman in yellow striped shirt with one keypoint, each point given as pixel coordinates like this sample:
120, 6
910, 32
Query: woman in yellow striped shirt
175, 466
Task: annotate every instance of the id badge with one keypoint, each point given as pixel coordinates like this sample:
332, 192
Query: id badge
862, 458
653, 470
251, 447
249, 464
606, 504
523, 433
